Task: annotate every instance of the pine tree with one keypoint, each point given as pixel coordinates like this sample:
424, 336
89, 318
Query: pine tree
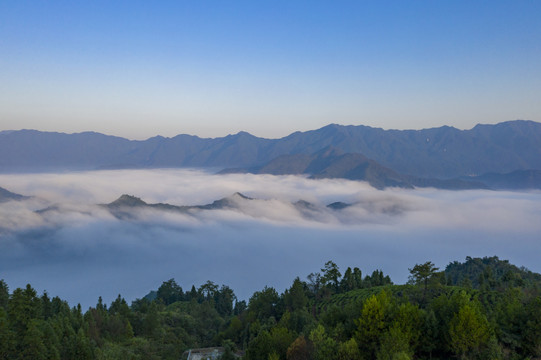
373, 322
331, 276
7, 338
32, 344
83, 350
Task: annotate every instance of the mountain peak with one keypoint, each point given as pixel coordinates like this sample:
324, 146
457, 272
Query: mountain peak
241, 134
240, 195
128, 200
331, 128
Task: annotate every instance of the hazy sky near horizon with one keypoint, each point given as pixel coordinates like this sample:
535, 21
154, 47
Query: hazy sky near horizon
209, 68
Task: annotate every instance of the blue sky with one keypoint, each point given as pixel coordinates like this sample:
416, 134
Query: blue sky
138, 69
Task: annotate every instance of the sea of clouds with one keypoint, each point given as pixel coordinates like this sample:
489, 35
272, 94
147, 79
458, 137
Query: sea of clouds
79, 250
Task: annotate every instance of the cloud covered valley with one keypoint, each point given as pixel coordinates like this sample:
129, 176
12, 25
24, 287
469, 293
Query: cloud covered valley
265, 231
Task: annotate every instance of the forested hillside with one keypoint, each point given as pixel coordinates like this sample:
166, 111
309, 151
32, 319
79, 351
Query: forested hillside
330, 315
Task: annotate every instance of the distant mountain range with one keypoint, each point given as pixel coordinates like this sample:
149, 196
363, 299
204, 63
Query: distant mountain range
126, 206
384, 157
48, 218
132, 208
332, 163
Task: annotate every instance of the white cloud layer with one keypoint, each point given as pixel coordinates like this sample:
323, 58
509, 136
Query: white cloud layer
79, 250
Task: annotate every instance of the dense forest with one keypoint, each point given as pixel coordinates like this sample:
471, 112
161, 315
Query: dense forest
484, 308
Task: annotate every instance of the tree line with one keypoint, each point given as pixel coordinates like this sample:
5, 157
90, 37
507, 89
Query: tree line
484, 308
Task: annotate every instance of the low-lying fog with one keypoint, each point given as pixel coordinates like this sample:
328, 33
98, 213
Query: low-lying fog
79, 250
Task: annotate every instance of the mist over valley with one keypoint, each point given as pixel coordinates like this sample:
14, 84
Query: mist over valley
76, 235
276, 180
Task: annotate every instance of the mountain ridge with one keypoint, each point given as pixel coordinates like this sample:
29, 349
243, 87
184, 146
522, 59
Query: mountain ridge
126, 206
332, 163
119, 206
442, 152
6, 195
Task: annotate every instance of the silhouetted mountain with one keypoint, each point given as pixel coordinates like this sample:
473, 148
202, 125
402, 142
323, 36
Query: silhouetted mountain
443, 152
128, 207
338, 205
6, 195
333, 163
128, 201
123, 206
224, 203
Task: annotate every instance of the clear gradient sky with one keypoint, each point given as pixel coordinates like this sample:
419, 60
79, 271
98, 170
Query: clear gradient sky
209, 68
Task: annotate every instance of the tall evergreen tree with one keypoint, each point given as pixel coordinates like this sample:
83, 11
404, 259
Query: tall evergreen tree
373, 322
4, 294
331, 276
469, 329
83, 349
295, 297
7, 338
32, 347
421, 274
23, 307
348, 281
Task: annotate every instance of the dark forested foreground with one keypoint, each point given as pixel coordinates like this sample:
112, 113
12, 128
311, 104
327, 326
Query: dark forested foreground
480, 309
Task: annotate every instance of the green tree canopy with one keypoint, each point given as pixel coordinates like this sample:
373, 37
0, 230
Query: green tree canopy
170, 292
421, 273
468, 330
331, 275
295, 297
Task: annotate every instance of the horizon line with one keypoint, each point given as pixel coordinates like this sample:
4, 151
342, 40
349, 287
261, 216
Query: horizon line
7, 131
